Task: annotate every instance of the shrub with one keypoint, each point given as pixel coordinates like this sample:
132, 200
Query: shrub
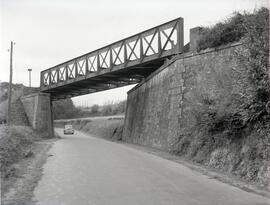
253, 30
64, 109
256, 42
222, 33
233, 29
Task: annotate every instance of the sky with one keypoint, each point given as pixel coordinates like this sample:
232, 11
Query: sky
49, 32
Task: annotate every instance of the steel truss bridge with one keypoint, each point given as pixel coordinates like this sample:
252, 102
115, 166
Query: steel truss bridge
122, 63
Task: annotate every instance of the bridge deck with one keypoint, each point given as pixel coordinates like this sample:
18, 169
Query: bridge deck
122, 63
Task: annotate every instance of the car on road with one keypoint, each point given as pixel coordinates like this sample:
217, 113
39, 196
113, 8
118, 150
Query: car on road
68, 129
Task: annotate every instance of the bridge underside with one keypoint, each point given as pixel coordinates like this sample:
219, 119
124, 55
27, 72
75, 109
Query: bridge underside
106, 81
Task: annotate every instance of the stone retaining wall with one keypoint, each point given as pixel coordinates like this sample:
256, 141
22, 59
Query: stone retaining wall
164, 106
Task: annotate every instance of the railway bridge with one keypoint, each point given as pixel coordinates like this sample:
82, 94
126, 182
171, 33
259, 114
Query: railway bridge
122, 63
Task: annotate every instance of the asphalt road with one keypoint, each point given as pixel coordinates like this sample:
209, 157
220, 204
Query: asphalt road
85, 170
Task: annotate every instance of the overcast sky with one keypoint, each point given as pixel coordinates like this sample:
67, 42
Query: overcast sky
48, 32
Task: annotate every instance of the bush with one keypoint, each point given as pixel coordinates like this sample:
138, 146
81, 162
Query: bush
64, 109
231, 128
222, 33
257, 63
95, 109
233, 29
253, 30
15, 143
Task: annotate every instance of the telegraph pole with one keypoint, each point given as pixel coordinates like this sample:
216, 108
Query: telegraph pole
10, 84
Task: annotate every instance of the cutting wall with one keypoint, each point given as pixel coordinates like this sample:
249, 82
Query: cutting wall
165, 106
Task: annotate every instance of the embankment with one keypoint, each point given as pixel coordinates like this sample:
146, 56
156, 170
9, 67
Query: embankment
190, 108
22, 154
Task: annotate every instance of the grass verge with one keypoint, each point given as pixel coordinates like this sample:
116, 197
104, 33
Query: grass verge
22, 154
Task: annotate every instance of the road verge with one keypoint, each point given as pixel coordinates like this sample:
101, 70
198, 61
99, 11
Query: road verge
23, 152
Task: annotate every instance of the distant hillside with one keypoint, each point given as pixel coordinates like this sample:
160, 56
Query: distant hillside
18, 90
107, 109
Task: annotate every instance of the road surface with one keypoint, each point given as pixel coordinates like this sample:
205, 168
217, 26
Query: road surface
86, 170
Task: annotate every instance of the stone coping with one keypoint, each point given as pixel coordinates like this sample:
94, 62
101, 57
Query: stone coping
35, 94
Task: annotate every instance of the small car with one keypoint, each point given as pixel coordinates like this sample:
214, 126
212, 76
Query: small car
68, 129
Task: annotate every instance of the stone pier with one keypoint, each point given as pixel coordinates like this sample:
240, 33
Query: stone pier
38, 109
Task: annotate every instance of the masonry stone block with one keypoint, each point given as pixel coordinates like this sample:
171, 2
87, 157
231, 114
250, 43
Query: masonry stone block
194, 35
38, 109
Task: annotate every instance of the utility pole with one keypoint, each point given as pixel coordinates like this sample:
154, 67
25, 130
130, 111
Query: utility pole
10, 84
30, 77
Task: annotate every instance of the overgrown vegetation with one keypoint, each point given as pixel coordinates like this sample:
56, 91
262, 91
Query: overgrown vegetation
232, 129
257, 62
253, 30
16, 144
233, 29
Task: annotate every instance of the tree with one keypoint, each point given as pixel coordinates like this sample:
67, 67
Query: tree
64, 109
94, 109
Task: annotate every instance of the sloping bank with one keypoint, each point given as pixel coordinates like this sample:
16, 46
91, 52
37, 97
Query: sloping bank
211, 105
22, 154
105, 127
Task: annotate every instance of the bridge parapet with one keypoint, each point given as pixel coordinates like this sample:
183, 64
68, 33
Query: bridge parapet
148, 46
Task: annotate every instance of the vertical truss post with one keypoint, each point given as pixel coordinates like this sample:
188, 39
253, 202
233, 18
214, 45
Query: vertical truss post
141, 47
41, 79
86, 65
50, 78
159, 41
66, 68
98, 62
111, 58
76, 68
180, 35
125, 52
57, 74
